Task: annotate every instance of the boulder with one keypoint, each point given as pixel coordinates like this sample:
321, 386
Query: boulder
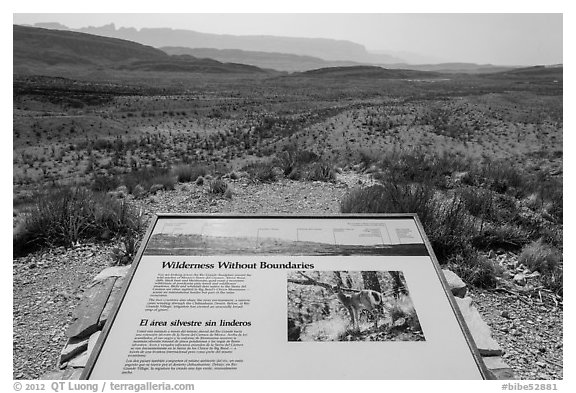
519, 279
498, 368
87, 314
479, 329
73, 347
115, 271
76, 373
111, 301
92, 342
60, 375
455, 283
79, 361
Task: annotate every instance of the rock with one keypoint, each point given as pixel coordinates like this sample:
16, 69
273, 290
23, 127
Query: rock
479, 329
400, 322
111, 301
519, 279
77, 372
92, 342
115, 271
87, 314
502, 373
53, 375
494, 362
455, 283
73, 347
79, 361
59, 375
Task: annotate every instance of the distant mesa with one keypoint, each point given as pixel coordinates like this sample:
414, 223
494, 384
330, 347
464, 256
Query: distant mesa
271, 60
367, 72
552, 73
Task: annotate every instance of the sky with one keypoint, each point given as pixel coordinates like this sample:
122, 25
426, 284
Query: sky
484, 38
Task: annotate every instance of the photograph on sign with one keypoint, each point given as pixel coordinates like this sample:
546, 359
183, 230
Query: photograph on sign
328, 306
214, 297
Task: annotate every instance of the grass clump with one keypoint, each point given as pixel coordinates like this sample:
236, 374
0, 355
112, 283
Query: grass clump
304, 165
319, 171
147, 177
217, 187
188, 173
418, 165
261, 171
475, 269
292, 159
539, 256
66, 216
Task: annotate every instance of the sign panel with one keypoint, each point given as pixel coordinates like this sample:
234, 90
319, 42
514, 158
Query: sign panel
237, 297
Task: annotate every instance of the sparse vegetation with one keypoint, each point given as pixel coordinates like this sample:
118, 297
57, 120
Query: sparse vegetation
66, 216
261, 171
464, 208
539, 256
479, 158
217, 187
189, 173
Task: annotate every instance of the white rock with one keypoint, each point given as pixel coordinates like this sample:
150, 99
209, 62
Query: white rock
115, 271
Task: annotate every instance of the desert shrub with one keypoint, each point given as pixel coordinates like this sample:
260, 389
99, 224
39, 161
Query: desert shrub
418, 165
478, 201
65, 216
261, 171
125, 254
489, 205
475, 269
450, 228
105, 183
319, 171
501, 236
292, 159
188, 173
367, 158
550, 193
501, 177
447, 223
391, 198
554, 281
147, 177
217, 187
540, 256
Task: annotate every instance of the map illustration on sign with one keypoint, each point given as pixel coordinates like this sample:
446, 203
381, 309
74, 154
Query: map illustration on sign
242, 297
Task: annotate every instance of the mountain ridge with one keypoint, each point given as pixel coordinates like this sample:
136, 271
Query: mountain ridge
325, 48
37, 50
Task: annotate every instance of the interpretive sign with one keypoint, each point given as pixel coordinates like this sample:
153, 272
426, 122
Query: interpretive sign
284, 297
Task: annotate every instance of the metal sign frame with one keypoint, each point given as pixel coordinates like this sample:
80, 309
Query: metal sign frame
137, 259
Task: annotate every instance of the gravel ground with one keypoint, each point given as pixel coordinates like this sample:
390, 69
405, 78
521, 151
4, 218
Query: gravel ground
48, 285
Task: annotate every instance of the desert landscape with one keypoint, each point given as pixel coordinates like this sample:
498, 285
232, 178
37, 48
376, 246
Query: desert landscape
107, 132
